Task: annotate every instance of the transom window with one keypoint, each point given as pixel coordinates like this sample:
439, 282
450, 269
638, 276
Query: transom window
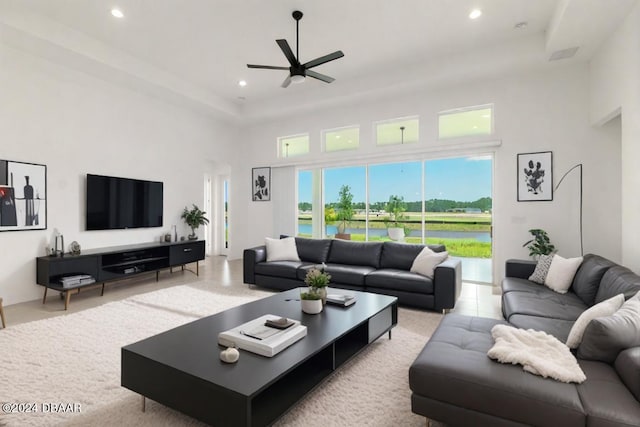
462, 122
292, 146
347, 138
397, 131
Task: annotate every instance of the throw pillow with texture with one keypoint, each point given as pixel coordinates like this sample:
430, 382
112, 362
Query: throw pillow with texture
542, 268
427, 261
561, 272
605, 337
605, 308
281, 249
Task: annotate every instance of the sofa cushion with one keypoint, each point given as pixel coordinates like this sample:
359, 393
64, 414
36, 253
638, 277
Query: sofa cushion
313, 250
391, 278
399, 255
355, 253
606, 337
556, 327
542, 268
340, 273
627, 365
454, 368
605, 308
561, 273
588, 277
288, 269
605, 399
618, 280
543, 302
510, 284
281, 249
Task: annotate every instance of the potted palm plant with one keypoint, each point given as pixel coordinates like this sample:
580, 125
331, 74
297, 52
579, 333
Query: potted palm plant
395, 207
345, 212
194, 219
540, 244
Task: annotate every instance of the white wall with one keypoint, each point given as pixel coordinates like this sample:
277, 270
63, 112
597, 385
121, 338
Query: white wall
538, 110
77, 124
615, 88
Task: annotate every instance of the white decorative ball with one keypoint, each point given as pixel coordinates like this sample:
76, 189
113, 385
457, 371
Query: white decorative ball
230, 355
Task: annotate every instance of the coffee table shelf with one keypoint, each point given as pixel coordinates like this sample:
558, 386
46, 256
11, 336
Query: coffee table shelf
181, 369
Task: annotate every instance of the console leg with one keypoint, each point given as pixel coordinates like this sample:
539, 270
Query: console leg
197, 268
67, 297
44, 298
144, 404
157, 275
182, 267
102, 293
389, 333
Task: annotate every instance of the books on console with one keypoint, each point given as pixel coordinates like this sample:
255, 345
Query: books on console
343, 300
257, 337
80, 279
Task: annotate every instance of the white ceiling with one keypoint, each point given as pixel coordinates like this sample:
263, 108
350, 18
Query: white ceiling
198, 49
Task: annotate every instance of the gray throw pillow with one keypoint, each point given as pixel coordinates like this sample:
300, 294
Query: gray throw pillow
606, 337
542, 268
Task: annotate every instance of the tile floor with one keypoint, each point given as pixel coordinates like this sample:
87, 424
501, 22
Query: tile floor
475, 299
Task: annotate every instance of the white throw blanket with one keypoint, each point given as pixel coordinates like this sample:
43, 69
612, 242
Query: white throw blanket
537, 352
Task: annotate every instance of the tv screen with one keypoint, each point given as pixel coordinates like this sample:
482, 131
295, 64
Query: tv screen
116, 203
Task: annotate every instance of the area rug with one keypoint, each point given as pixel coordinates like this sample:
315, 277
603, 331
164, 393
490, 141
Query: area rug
75, 359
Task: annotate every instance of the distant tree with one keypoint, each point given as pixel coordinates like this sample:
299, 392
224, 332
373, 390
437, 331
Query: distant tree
396, 207
305, 206
345, 207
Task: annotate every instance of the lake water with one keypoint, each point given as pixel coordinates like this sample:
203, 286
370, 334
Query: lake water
481, 236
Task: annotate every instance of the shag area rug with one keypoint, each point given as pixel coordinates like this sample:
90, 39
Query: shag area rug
75, 359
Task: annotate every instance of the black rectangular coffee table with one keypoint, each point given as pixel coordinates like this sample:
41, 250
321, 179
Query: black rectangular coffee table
181, 368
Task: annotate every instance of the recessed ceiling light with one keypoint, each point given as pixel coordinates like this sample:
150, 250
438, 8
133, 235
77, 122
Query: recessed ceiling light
475, 14
117, 13
242, 83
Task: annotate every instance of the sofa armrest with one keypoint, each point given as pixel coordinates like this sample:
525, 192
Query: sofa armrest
447, 283
250, 258
520, 268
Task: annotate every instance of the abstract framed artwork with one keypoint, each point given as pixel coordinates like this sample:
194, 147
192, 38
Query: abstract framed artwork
261, 184
23, 196
535, 177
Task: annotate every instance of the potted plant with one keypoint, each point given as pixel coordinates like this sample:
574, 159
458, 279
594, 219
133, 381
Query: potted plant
311, 302
194, 219
395, 207
318, 280
345, 212
540, 244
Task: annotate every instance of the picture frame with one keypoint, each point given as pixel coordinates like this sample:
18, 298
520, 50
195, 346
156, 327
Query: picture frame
261, 184
23, 196
535, 177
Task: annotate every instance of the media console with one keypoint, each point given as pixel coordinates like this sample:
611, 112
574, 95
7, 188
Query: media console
115, 263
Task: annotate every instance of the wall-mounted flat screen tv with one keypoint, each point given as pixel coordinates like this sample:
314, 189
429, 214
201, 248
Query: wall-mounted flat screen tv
117, 203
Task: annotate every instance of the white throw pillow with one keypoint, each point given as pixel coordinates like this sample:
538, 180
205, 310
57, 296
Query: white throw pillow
282, 249
603, 309
427, 261
561, 273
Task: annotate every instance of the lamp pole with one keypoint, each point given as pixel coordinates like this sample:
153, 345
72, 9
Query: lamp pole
579, 165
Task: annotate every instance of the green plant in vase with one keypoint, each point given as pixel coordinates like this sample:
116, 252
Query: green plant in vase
311, 301
194, 218
318, 280
540, 244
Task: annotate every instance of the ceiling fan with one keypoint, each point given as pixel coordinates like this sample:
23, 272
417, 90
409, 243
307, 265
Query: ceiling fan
298, 71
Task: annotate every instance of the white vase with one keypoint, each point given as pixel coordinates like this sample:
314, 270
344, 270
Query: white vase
396, 233
312, 306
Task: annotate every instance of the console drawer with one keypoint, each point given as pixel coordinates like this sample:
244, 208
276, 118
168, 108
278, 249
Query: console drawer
186, 253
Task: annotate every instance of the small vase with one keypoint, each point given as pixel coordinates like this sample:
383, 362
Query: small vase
312, 306
323, 293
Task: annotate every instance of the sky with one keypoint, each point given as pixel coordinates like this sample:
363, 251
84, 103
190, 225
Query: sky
460, 179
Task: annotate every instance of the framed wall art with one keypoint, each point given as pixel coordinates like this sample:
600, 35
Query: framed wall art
23, 196
535, 177
261, 183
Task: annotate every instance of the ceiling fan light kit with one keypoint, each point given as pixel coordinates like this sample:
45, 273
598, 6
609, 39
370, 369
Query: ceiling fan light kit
297, 71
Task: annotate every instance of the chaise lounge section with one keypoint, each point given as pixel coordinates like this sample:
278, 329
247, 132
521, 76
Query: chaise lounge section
454, 381
378, 267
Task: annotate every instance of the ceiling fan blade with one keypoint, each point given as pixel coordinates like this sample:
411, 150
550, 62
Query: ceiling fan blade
323, 59
326, 79
286, 49
286, 81
267, 67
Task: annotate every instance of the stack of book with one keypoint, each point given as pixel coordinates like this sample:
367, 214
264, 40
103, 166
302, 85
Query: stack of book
341, 299
80, 279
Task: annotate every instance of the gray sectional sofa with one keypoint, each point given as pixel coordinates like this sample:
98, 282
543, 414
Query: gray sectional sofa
378, 267
453, 381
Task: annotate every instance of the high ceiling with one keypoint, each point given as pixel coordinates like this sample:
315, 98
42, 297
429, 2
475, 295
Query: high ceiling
203, 46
